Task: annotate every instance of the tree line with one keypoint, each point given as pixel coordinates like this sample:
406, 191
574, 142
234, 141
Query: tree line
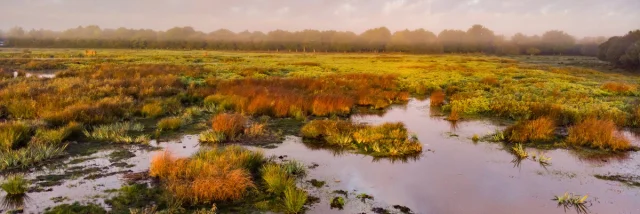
474, 40
623, 51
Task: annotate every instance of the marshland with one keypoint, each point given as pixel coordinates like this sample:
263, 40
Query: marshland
306, 131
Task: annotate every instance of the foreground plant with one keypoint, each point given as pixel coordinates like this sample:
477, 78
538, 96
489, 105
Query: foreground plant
294, 200
15, 185
519, 151
276, 178
570, 200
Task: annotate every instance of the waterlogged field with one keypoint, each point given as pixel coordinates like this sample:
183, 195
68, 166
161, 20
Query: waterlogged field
142, 131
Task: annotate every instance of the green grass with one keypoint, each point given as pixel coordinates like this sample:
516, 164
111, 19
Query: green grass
212, 137
170, 123
276, 178
30, 156
15, 185
294, 200
295, 168
118, 133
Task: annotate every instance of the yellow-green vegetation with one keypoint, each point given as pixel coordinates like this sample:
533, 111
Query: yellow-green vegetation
276, 178
519, 151
601, 134
13, 135
573, 201
386, 140
211, 136
170, 123
15, 185
538, 130
118, 133
294, 200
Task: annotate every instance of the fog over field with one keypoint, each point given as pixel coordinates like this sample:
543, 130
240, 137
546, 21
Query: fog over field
576, 17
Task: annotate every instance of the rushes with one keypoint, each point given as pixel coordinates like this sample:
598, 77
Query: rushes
117, 132
294, 200
437, 98
170, 123
15, 185
29, 156
295, 168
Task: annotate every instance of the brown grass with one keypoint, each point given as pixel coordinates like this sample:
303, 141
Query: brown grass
437, 98
232, 125
596, 133
619, 87
541, 129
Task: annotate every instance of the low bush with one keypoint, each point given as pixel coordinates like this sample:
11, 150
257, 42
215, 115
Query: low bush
602, 134
619, 87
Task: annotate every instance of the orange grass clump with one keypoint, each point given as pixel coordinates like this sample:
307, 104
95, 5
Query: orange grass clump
618, 87
596, 133
437, 98
231, 125
540, 129
211, 175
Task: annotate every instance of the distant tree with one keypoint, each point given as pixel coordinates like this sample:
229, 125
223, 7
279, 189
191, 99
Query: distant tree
452, 40
557, 42
479, 39
533, 51
377, 38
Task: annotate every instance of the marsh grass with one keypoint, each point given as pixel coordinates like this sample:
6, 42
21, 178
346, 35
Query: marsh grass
568, 201
170, 123
538, 130
15, 185
519, 151
600, 134
56, 136
232, 125
295, 168
386, 140
212, 137
118, 132
437, 98
14, 135
294, 200
29, 156
276, 178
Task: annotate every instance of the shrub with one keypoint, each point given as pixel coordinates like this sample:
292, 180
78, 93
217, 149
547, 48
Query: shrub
619, 87
212, 137
231, 125
596, 133
170, 123
15, 185
437, 98
294, 199
13, 135
276, 179
541, 129
152, 110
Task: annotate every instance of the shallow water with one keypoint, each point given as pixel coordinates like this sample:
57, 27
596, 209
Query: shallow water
459, 176
453, 174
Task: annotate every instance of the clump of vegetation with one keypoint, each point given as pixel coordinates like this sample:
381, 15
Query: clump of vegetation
570, 200
29, 156
386, 140
232, 125
118, 132
217, 174
475, 138
316, 183
619, 87
294, 200
170, 123
152, 110
276, 178
364, 197
14, 135
519, 151
256, 130
337, 202
76, 208
15, 185
56, 136
295, 168
538, 130
437, 98
602, 134
213, 137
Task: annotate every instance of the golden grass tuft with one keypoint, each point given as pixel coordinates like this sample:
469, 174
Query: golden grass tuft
541, 129
232, 125
602, 134
170, 123
437, 98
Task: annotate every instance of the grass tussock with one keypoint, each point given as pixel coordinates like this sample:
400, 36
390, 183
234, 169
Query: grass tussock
56, 136
14, 135
170, 123
595, 133
121, 132
276, 178
152, 110
538, 130
437, 98
386, 140
218, 174
294, 200
231, 125
15, 185
212, 137
30, 156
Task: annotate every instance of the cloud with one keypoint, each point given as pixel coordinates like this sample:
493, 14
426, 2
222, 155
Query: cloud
578, 17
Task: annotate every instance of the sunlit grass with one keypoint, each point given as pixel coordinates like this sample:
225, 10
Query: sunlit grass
15, 185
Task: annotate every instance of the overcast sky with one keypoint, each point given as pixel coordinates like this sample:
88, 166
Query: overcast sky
577, 17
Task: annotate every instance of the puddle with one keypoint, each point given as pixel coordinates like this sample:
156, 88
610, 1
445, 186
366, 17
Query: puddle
459, 176
453, 174
77, 188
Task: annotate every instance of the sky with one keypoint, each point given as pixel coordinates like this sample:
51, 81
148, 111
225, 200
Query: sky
577, 17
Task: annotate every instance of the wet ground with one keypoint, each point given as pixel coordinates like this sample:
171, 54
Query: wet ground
453, 175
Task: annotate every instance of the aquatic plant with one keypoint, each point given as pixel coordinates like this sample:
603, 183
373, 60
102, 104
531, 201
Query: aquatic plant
602, 134
213, 137
15, 185
294, 200
519, 151
232, 125
337, 202
276, 178
295, 168
570, 200
541, 129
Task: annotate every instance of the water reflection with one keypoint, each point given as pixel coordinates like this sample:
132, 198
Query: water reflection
11, 202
